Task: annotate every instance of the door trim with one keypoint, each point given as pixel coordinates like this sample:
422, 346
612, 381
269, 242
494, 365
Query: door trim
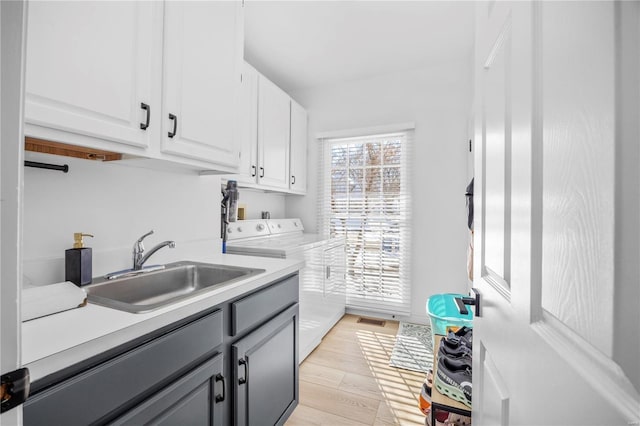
12, 36
600, 371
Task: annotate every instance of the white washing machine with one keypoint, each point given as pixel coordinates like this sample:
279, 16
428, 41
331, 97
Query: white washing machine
322, 280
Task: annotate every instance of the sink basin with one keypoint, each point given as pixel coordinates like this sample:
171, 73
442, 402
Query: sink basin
152, 290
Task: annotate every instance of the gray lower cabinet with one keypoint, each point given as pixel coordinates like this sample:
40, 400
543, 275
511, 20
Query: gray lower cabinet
183, 373
265, 372
195, 399
99, 393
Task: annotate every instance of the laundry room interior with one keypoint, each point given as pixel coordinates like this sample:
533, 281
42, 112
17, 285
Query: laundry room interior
368, 184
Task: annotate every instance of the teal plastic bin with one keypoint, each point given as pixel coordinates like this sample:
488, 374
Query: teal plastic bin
443, 312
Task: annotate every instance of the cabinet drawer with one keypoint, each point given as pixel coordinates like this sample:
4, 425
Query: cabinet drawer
100, 392
262, 305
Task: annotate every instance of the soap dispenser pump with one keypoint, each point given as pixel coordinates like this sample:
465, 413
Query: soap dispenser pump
78, 261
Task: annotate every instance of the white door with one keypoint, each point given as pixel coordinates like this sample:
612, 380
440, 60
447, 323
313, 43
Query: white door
89, 70
273, 135
12, 24
298, 166
203, 44
556, 225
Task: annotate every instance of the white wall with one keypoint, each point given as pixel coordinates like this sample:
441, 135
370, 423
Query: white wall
117, 204
256, 201
437, 100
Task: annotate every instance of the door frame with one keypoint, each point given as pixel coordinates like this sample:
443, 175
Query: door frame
12, 46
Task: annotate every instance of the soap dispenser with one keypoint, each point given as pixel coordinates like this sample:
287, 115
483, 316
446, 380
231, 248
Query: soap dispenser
77, 261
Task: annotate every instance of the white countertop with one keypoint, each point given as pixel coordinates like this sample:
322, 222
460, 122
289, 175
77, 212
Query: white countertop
57, 341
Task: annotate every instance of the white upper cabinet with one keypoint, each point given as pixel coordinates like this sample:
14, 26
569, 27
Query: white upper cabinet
248, 135
201, 81
88, 71
298, 164
159, 80
273, 135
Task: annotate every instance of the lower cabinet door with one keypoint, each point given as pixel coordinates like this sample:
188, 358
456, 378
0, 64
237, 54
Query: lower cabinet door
197, 398
265, 367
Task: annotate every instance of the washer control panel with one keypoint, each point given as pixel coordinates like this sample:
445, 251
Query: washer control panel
262, 227
247, 229
284, 226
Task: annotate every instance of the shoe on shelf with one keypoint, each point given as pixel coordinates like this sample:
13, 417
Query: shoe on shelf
463, 336
425, 394
453, 379
450, 350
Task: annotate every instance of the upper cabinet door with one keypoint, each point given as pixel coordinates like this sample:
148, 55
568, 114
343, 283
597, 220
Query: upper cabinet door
298, 166
203, 44
88, 70
248, 169
273, 135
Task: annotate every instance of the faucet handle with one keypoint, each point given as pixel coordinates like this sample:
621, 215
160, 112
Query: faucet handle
145, 236
138, 249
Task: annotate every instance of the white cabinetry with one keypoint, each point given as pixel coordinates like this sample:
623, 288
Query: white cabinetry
88, 72
273, 135
107, 75
298, 161
248, 167
201, 80
334, 277
322, 292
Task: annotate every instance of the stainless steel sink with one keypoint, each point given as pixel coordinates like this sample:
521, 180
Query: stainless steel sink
152, 290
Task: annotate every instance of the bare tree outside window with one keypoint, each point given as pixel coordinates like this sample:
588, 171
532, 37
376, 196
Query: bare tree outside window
368, 207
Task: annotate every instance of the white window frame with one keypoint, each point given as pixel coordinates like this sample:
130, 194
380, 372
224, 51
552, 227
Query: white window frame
399, 303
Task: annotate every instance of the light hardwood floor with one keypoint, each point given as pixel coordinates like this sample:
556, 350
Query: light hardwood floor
347, 380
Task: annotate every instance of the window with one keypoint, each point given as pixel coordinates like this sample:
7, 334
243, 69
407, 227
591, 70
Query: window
365, 198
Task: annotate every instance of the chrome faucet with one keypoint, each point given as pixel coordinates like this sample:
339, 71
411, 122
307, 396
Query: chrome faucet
139, 255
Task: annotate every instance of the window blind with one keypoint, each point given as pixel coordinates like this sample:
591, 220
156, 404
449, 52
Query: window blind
364, 196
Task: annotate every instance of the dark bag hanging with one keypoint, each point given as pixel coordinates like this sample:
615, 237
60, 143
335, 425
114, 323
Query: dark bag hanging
469, 195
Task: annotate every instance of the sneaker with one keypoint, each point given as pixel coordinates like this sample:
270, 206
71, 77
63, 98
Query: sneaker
455, 347
428, 383
425, 394
464, 336
450, 350
424, 401
453, 379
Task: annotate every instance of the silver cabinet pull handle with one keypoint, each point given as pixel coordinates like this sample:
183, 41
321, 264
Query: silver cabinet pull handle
244, 363
220, 398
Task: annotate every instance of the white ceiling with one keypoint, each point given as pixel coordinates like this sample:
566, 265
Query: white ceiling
302, 44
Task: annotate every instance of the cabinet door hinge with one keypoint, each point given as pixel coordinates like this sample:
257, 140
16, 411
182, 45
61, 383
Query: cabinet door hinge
14, 388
